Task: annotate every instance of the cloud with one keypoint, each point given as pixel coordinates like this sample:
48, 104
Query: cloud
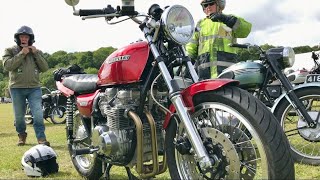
268, 16
285, 22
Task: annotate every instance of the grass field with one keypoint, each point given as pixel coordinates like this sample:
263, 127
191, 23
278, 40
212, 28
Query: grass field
10, 154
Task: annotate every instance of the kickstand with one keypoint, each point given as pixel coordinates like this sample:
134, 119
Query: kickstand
130, 175
108, 166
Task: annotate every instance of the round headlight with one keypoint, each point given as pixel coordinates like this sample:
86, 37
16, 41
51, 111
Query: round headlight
178, 24
288, 56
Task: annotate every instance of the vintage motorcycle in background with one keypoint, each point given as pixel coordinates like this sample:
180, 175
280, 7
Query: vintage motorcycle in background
296, 107
296, 77
314, 73
53, 107
303, 75
135, 114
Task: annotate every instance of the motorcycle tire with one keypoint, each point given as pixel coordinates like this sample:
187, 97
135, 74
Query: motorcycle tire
89, 166
58, 115
28, 116
304, 142
222, 136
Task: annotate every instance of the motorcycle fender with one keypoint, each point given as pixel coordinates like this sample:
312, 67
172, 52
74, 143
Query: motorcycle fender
196, 88
295, 89
64, 90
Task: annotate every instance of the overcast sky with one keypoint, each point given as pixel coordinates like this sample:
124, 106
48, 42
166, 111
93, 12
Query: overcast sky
286, 22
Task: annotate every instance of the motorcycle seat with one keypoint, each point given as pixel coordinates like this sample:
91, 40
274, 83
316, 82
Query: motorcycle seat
81, 83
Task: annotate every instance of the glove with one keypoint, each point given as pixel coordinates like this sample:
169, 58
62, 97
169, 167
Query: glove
228, 20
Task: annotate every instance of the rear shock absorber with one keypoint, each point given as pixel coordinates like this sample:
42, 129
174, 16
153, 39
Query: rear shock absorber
69, 118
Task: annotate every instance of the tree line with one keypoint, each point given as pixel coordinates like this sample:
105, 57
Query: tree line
91, 61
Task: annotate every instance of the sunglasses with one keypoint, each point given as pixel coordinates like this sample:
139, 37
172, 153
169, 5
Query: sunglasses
208, 4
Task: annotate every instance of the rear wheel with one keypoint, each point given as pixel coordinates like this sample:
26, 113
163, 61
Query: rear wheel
238, 132
28, 116
88, 165
58, 115
304, 141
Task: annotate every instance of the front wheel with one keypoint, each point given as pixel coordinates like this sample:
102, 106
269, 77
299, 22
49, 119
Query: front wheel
238, 132
304, 141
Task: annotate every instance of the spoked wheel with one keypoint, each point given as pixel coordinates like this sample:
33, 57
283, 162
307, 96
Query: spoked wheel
304, 141
88, 165
240, 135
58, 115
28, 116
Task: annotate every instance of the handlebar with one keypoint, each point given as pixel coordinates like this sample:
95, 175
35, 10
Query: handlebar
245, 46
315, 56
90, 12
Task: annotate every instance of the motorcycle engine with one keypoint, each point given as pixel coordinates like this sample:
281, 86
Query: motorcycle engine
116, 138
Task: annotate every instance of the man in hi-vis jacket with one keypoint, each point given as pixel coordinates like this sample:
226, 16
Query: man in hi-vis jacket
209, 46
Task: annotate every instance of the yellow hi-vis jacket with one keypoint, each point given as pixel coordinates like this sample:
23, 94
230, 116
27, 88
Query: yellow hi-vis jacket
213, 38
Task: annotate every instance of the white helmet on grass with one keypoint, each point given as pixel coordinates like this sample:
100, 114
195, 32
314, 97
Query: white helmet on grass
40, 160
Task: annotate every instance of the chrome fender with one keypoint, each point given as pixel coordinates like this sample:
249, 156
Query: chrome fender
295, 89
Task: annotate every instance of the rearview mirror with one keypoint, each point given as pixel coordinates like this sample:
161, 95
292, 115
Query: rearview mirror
72, 2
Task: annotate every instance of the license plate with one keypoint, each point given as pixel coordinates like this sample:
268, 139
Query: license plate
313, 78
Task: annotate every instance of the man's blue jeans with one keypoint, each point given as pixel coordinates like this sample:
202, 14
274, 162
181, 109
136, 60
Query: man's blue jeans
33, 95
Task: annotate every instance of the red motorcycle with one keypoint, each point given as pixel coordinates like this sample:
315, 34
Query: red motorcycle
135, 113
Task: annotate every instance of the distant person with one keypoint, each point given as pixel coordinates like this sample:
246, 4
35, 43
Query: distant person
24, 63
209, 46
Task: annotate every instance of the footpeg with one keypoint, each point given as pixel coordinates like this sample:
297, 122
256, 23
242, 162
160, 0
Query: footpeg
77, 152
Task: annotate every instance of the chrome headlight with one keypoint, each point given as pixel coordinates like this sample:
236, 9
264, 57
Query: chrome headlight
284, 55
178, 24
288, 56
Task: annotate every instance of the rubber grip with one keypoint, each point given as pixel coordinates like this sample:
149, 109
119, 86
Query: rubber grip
239, 45
88, 12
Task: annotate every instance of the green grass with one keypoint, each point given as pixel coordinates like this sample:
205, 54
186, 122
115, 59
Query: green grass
10, 153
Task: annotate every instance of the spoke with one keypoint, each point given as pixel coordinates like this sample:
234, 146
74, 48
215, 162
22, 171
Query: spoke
247, 147
313, 150
252, 160
240, 136
243, 142
253, 170
305, 146
288, 135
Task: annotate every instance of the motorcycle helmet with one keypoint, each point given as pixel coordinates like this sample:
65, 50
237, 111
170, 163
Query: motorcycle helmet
221, 3
24, 30
40, 160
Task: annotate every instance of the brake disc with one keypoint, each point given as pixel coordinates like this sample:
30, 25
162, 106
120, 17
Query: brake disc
228, 151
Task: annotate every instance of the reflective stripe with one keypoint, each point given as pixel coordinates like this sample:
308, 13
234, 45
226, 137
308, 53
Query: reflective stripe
194, 41
205, 38
215, 63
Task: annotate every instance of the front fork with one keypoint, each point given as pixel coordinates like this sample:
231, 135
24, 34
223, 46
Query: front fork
292, 97
176, 99
196, 141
